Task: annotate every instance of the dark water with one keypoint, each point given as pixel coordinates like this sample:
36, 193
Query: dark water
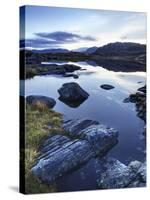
105, 106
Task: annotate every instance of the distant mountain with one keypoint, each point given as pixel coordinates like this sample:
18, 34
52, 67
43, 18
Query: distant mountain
121, 49
91, 50
51, 51
85, 50
82, 49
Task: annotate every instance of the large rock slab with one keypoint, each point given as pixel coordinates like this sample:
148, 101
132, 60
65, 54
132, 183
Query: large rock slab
114, 174
75, 127
35, 99
100, 137
72, 94
61, 154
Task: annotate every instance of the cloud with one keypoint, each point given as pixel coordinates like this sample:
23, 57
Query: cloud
134, 33
54, 39
64, 37
134, 28
37, 43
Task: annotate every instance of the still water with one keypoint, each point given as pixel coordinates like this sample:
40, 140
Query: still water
105, 106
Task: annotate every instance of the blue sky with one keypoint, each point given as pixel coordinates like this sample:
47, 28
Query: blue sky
53, 27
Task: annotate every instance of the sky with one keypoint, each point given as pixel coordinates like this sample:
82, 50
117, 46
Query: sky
72, 28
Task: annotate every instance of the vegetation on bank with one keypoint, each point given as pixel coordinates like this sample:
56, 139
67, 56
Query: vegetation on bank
40, 123
34, 70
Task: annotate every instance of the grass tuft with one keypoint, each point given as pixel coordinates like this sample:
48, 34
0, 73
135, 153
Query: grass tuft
40, 123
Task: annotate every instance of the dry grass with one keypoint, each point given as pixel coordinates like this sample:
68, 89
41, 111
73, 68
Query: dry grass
40, 122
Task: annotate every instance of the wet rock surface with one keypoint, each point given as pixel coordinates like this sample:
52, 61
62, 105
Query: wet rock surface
72, 94
112, 174
35, 99
85, 139
107, 87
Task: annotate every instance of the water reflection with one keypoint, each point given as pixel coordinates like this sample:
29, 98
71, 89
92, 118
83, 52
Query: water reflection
104, 106
72, 104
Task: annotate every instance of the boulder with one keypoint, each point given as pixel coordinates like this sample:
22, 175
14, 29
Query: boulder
62, 154
96, 134
107, 87
114, 174
72, 94
75, 127
142, 172
35, 99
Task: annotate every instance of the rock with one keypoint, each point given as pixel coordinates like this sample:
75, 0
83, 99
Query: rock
97, 134
71, 68
50, 69
75, 127
114, 174
142, 172
62, 154
60, 69
35, 99
142, 89
126, 100
107, 87
139, 98
72, 94
135, 165
132, 98
75, 76
136, 183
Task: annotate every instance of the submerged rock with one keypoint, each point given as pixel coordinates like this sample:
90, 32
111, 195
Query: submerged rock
114, 174
35, 99
72, 94
107, 87
61, 154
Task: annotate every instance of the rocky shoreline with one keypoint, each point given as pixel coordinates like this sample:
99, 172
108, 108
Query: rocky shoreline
61, 154
87, 139
113, 174
64, 70
81, 140
139, 98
